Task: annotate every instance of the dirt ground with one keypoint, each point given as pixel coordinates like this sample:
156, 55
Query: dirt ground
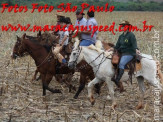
21, 99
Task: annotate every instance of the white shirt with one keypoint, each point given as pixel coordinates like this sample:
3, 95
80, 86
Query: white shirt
81, 22
91, 21
62, 34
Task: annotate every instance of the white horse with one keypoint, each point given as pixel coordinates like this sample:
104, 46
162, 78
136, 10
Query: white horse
103, 70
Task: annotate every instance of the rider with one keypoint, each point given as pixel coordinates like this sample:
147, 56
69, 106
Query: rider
69, 23
59, 15
81, 21
63, 41
86, 37
127, 47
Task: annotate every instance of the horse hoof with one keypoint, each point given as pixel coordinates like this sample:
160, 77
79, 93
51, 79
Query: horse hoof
98, 92
57, 91
108, 97
74, 88
122, 90
114, 106
161, 100
37, 79
162, 97
93, 102
75, 97
139, 106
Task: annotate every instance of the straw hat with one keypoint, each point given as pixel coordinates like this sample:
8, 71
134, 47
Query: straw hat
124, 22
60, 14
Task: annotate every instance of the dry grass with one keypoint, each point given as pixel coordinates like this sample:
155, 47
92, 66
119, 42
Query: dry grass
21, 99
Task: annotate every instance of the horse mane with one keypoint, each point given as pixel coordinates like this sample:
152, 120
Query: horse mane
35, 41
77, 42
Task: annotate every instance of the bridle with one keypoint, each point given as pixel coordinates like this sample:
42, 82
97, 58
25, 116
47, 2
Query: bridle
43, 62
83, 66
79, 51
19, 48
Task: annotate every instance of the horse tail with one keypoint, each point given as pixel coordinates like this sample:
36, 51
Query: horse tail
158, 70
160, 73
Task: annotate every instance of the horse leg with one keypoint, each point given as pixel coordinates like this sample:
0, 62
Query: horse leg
43, 87
58, 77
140, 80
48, 78
90, 89
98, 87
67, 80
111, 91
81, 86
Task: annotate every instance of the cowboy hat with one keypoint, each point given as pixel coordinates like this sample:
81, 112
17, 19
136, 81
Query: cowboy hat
125, 23
79, 12
60, 14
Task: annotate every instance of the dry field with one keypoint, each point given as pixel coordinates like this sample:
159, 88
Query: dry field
21, 99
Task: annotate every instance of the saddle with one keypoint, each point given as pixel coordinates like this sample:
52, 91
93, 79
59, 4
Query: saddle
131, 67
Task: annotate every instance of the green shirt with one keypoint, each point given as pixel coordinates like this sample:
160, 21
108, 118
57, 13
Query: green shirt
126, 44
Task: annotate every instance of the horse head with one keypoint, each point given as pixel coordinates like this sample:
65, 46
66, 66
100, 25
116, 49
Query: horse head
19, 50
76, 55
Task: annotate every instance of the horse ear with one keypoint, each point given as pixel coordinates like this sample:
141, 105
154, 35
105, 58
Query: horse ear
39, 34
18, 38
24, 35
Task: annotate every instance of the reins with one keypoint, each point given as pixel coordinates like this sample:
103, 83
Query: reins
83, 66
44, 61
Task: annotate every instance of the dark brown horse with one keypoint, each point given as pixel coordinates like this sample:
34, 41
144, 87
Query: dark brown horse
48, 40
45, 62
86, 72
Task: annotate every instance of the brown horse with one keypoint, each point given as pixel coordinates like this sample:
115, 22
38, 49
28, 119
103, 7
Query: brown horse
86, 72
47, 40
44, 61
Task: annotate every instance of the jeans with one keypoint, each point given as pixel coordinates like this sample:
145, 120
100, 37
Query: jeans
86, 43
124, 60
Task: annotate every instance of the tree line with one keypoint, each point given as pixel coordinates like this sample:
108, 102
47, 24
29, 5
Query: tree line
119, 6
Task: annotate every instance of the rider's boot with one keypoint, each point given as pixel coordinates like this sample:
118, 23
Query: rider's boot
117, 79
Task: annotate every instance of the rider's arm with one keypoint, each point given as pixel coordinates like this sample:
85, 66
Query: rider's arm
65, 36
117, 44
89, 30
134, 44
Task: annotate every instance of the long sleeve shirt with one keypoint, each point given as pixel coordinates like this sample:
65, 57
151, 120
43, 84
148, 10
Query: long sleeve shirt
127, 44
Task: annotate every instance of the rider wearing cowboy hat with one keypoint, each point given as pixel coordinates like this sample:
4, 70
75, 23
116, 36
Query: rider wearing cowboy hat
86, 36
127, 47
58, 15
